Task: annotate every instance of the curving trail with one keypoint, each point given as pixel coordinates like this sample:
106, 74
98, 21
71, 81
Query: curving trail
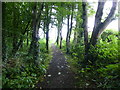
58, 75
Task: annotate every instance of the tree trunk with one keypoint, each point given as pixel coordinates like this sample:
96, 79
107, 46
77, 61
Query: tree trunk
47, 36
58, 33
61, 32
34, 35
69, 32
84, 26
61, 39
19, 44
75, 38
14, 43
47, 41
27, 38
34, 46
99, 26
71, 25
4, 53
67, 38
80, 31
44, 24
47, 22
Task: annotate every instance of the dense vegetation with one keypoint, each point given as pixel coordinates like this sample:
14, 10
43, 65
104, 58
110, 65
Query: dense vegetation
106, 69
26, 56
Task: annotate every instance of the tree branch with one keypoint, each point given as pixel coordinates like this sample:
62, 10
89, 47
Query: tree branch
99, 14
109, 18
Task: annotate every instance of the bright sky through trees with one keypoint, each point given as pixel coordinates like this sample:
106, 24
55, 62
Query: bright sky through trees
113, 25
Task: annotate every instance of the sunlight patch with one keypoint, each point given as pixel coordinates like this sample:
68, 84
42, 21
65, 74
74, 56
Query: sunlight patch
62, 66
59, 73
68, 66
49, 75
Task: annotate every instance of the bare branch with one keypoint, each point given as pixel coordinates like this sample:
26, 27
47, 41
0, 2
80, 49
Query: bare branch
109, 18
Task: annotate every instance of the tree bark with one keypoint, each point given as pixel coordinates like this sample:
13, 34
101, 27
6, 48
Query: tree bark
47, 22
34, 46
61, 39
47, 28
71, 25
67, 38
58, 33
80, 31
99, 26
27, 38
69, 31
84, 26
61, 32
4, 53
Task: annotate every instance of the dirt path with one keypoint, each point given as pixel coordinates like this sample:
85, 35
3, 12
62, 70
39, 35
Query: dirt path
58, 75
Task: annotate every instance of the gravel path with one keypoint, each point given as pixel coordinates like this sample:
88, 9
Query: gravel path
58, 75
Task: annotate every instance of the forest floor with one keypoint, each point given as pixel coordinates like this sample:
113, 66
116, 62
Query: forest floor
58, 74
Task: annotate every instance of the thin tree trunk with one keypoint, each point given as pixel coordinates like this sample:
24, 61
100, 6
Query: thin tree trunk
71, 25
58, 33
27, 38
84, 16
4, 53
44, 28
69, 32
19, 44
47, 41
61, 32
60, 39
67, 38
47, 26
75, 38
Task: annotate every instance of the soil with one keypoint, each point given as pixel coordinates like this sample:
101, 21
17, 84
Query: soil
58, 74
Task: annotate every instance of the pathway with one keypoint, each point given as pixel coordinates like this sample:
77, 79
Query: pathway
58, 75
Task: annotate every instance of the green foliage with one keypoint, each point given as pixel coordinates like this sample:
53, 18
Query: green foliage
90, 9
107, 77
105, 35
21, 72
105, 72
20, 79
77, 51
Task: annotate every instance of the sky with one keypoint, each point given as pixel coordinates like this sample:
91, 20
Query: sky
113, 25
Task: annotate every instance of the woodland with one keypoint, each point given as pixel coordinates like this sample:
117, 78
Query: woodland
26, 57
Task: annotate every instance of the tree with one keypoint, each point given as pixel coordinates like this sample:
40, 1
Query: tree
84, 17
100, 26
60, 15
48, 10
78, 32
3, 33
34, 47
69, 27
59, 34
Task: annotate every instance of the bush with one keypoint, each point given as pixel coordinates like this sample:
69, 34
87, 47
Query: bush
18, 73
105, 71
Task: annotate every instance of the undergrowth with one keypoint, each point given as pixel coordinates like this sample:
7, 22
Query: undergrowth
105, 73
21, 72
